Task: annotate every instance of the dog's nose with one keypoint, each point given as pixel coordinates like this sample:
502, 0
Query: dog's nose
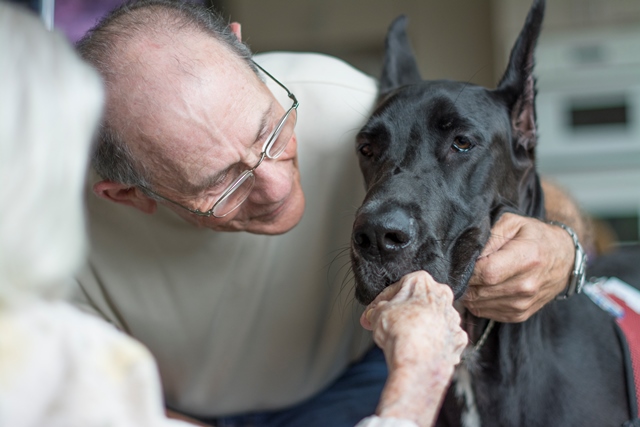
385, 233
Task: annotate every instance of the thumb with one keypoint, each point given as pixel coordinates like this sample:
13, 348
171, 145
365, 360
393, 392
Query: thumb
502, 232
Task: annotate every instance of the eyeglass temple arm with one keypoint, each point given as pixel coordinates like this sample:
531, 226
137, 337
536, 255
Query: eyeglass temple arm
193, 211
289, 94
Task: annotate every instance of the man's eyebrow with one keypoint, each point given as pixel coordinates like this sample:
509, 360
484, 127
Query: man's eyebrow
205, 184
212, 179
264, 122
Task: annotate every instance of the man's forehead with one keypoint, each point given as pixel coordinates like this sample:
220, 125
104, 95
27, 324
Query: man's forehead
182, 52
168, 104
156, 72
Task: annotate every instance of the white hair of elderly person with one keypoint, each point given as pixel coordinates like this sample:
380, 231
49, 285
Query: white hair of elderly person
58, 366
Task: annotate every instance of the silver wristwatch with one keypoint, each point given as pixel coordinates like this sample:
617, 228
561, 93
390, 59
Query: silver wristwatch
576, 280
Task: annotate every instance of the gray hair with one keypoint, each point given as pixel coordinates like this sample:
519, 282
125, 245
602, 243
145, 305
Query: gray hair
112, 158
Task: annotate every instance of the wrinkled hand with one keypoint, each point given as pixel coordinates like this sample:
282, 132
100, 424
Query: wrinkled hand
524, 265
415, 324
414, 319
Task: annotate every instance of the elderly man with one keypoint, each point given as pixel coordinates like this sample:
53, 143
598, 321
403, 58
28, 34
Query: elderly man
257, 327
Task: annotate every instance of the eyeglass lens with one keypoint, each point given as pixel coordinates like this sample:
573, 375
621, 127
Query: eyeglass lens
242, 187
235, 195
282, 135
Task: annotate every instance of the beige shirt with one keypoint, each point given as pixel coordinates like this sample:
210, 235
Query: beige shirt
240, 322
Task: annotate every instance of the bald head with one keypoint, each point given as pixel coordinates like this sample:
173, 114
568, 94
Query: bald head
169, 93
115, 46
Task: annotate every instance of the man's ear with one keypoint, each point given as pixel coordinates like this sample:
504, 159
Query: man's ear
125, 195
235, 29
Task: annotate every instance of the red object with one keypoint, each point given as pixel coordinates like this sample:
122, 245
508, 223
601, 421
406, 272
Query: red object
630, 325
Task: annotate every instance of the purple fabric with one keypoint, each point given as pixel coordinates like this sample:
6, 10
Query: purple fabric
75, 17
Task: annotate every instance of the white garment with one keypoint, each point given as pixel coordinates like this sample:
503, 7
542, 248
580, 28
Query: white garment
63, 368
60, 367
375, 421
240, 322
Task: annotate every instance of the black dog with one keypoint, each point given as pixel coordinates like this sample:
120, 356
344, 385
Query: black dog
442, 160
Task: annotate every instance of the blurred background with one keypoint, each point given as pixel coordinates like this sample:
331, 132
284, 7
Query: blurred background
587, 65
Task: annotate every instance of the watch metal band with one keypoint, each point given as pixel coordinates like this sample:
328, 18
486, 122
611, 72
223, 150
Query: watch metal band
576, 280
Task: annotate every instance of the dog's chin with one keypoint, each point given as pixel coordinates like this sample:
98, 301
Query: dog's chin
459, 285
463, 256
364, 294
370, 281
372, 278
454, 270
366, 290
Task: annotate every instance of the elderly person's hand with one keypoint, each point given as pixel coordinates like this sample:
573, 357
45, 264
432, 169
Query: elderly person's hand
415, 324
524, 265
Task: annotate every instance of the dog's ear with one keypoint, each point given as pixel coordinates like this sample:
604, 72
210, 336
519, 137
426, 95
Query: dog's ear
400, 67
517, 86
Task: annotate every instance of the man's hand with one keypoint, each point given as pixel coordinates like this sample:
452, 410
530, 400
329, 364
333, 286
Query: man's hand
525, 264
415, 324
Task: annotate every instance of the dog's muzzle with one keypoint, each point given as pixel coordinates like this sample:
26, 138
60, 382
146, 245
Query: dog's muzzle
383, 236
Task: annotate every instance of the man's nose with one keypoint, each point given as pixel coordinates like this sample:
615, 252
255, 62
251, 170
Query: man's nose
273, 180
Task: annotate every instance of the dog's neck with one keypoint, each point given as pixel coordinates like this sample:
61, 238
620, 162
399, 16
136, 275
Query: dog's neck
531, 201
475, 327
525, 198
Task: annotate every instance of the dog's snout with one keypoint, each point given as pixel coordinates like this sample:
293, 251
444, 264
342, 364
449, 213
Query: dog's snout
386, 239
382, 234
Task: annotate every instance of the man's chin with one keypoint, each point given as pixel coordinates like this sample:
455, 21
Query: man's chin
278, 222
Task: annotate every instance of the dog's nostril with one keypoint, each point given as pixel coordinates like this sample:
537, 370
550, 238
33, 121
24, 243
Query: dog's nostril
361, 240
388, 233
396, 239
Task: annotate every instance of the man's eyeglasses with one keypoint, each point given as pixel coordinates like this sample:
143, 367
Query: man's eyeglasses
240, 188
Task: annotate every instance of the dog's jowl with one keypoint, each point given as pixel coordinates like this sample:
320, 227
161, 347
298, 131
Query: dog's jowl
442, 160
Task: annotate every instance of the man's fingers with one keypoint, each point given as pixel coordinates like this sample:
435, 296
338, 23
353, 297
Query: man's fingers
492, 269
506, 309
521, 286
513, 260
526, 264
502, 232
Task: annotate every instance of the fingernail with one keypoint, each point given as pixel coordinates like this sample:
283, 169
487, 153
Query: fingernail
367, 315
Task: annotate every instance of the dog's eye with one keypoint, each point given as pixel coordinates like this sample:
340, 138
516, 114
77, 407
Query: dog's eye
365, 150
460, 143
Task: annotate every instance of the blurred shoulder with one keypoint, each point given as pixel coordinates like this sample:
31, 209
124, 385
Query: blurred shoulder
335, 98
315, 68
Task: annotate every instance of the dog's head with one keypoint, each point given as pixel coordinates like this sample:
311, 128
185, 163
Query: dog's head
441, 161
